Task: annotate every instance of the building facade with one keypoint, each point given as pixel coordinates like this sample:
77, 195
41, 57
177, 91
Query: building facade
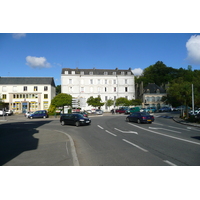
150, 95
109, 84
22, 94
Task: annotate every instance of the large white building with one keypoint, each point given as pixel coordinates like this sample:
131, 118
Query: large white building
108, 83
22, 94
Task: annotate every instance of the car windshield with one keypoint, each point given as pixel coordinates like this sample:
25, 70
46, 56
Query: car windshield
144, 114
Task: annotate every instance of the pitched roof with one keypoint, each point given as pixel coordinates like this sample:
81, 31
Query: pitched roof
27, 80
96, 71
152, 88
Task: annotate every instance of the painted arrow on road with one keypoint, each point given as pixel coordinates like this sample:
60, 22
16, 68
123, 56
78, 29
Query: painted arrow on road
126, 131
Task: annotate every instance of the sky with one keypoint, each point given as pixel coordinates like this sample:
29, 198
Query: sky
45, 54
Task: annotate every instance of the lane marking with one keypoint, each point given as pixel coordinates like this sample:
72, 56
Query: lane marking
178, 128
111, 133
166, 135
164, 129
135, 145
125, 131
100, 127
170, 163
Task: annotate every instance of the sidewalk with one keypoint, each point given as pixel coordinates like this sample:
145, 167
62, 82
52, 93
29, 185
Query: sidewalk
182, 121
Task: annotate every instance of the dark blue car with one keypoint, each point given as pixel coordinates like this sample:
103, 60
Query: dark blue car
140, 117
39, 114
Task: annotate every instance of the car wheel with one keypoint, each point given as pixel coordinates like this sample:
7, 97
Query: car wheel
138, 121
44, 117
77, 124
127, 119
31, 117
62, 123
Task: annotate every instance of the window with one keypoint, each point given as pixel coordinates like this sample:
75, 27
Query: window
82, 72
35, 88
129, 73
45, 88
73, 72
90, 73
70, 81
66, 72
106, 98
45, 96
106, 81
82, 89
14, 88
4, 89
114, 81
105, 73
91, 81
122, 73
114, 73
4, 96
25, 88
126, 89
99, 89
115, 89
126, 81
105, 89
99, 81
45, 105
157, 91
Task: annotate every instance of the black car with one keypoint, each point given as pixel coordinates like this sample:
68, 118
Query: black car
74, 119
140, 117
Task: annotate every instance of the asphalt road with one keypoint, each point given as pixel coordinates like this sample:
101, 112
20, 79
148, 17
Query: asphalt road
108, 141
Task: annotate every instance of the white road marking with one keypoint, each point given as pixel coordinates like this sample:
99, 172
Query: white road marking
164, 129
170, 163
166, 135
125, 131
100, 127
135, 145
111, 133
178, 128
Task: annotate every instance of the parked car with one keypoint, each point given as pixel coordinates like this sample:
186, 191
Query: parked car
27, 113
151, 109
132, 110
2, 113
143, 110
82, 113
140, 117
121, 110
74, 119
39, 114
9, 112
99, 112
165, 109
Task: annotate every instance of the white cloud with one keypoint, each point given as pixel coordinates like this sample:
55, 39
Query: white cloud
18, 35
137, 71
193, 48
37, 62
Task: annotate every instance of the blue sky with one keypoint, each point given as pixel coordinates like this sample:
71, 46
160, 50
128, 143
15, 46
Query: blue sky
45, 54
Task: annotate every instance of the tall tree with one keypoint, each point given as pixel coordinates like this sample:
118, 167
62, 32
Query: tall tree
95, 102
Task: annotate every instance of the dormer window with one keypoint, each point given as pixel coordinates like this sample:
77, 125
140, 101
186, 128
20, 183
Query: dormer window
73, 72
82, 72
148, 91
122, 73
105, 73
114, 73
90, 73
157, 91
66, 72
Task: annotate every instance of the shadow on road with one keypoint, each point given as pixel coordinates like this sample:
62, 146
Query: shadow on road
17, 137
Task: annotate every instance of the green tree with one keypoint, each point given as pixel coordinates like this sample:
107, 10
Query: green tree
60, 100
135, 102
109, 102
95, 102
58, 89
122, 101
